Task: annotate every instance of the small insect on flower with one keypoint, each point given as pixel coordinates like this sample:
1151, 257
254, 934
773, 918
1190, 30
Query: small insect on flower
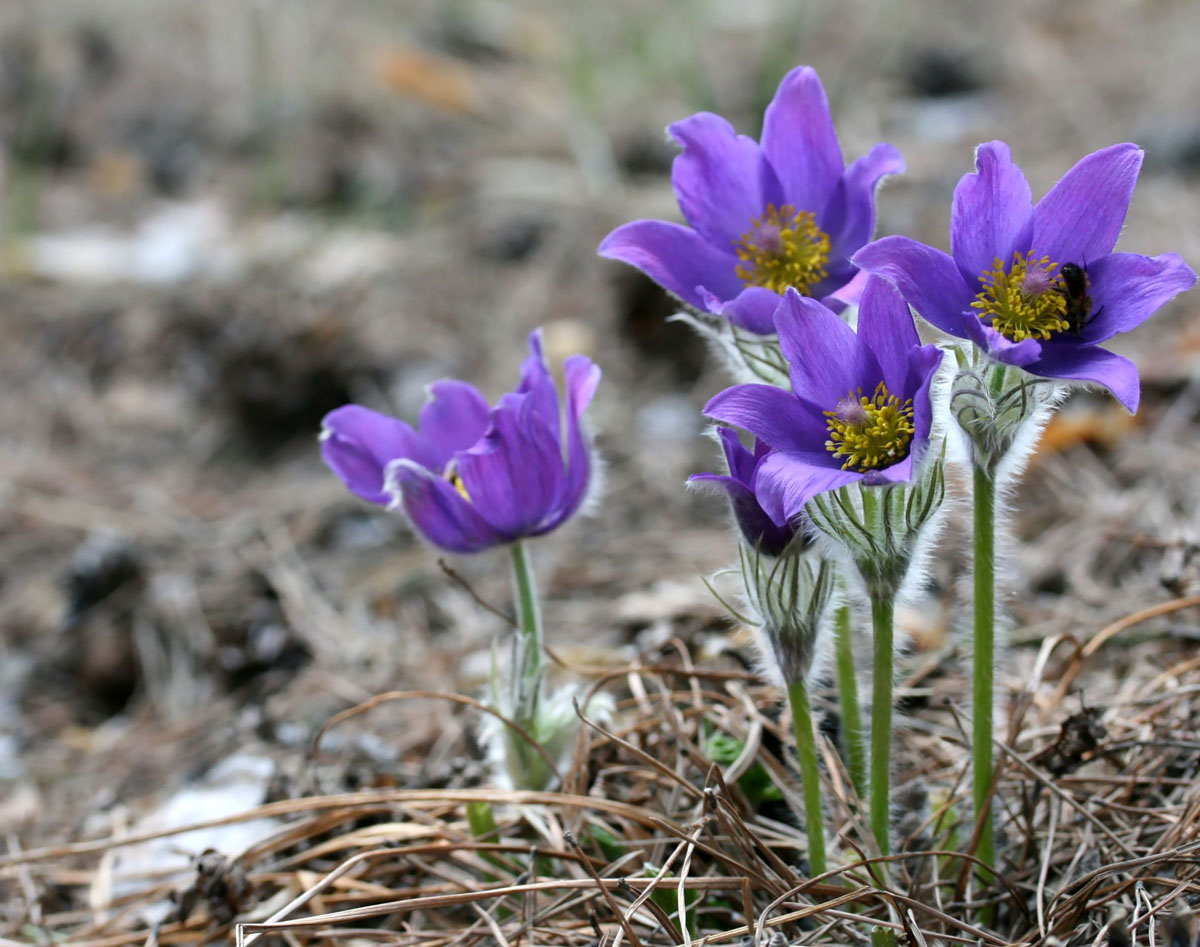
1038, 286
1075, 289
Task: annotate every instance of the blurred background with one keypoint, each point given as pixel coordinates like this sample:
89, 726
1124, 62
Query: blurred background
221, 220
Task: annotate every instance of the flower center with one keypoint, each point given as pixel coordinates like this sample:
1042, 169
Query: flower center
451, 474
783, 248
1027, 302
870, 432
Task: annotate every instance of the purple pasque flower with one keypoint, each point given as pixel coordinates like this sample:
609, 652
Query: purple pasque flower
859, 409
471, 477
1038, 286
763, 217
757, 528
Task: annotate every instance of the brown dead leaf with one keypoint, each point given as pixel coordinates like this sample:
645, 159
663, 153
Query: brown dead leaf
1102, 425
436, 81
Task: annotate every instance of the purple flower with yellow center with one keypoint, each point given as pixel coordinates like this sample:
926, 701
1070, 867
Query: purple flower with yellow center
756, 527
859, 409
471, 477
765, 217
1038, 286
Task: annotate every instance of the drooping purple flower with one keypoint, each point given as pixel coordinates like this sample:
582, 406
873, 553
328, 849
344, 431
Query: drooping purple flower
859, 408
763, 217
1038, 287
757, 528
471, 477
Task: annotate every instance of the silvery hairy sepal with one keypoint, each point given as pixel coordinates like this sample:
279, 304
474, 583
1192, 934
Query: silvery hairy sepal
998, 408
789, 597
880, 527
547, 714
747, 356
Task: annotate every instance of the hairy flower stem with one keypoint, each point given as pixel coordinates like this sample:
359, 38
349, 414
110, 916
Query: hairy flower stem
847, 682
530, 618
882, 608
985, 657
527, 668
810, 776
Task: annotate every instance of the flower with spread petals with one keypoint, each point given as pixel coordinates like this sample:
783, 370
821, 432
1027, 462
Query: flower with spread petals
859, 409
756, 527
1038, 286
765, 217
471, 477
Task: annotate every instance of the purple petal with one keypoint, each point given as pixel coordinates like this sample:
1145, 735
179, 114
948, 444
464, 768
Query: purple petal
1128, 288
1090, 363
922, 367
752, 520
1021, 353
455, 417
1080, 218
774, 416
901, 472
358, 443
514, 477
537, 384
992, 213
741, 461
850, 294
827, 360
438, 510
675, 257
800, 142
787, 482
927, 278
581, 377
721, 180
753, 309
849, 218
886, 327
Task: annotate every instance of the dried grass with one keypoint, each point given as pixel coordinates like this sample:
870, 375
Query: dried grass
1087, 825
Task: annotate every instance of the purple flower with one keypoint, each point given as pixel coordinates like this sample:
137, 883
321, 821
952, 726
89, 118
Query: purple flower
1038, 286
859, 408
756, 526
786, 213
472, 477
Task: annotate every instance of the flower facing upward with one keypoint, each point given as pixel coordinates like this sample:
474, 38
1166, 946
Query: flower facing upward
765, 217
756, 527
859, 408
471, 477
1038, 287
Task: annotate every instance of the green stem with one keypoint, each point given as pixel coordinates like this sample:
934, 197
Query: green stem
806, 747
881, 720
847, 680
985, 657
528, 612
525, 765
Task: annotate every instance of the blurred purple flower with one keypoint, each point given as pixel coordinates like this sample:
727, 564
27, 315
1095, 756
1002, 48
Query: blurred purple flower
786, 213
759, 531
1038, 287
859, 408
472, 477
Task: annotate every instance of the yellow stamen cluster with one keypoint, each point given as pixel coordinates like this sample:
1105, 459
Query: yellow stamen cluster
870, 432
1027, 302
784, 248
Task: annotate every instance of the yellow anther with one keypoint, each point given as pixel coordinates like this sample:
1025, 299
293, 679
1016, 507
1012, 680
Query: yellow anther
871, 432
1027, 302
451, 474
783, 248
